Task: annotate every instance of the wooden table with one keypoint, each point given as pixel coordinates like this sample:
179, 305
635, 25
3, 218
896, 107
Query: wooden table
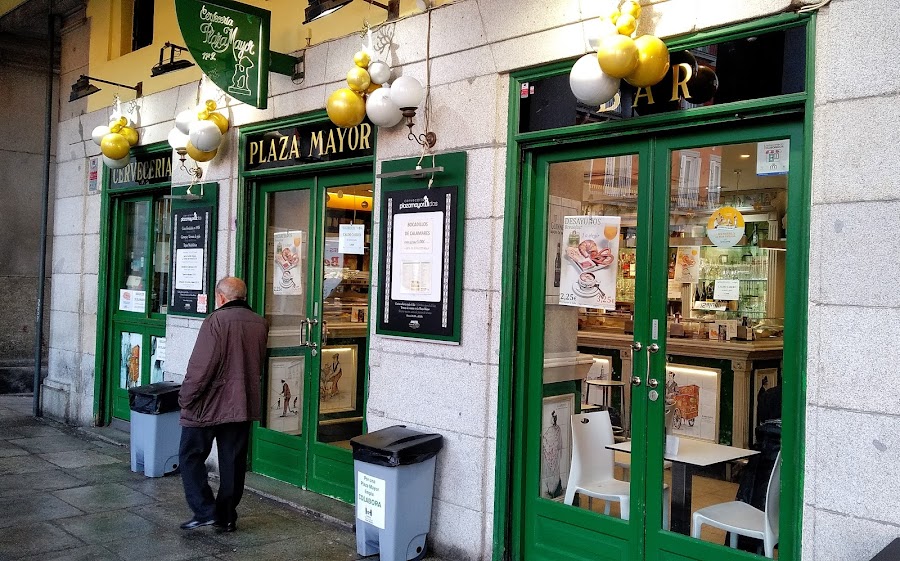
691, 453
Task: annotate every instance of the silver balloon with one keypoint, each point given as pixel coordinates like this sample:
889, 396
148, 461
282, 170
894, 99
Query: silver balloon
205, 135
379, 72
177, 139
381, 109
590, 84
98, 133
117, 164
184, 119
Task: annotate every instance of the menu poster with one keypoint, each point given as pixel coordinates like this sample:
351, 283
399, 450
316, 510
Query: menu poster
287, 279
559, 208
351, 239
588, 271
419, 232
191, 232
687, 263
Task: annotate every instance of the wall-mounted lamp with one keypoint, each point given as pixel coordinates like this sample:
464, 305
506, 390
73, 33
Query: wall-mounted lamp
179, 141
172, 64
83, 88
321, 8
407, 93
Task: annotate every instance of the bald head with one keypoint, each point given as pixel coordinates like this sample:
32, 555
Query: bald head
230, 288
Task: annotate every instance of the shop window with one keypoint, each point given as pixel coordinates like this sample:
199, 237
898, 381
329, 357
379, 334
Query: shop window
142, 24
135, 26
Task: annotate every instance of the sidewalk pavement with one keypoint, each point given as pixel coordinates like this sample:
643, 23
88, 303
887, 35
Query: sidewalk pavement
69, 494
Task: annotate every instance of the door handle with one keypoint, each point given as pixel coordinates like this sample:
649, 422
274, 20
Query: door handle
652, 382
635, 380
636, 346
653, 348
304, 331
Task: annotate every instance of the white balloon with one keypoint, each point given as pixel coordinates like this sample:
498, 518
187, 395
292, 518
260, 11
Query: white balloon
205, 135
590, 84
98, 133
406, 91
184, 119
598, 31
117, 164
379, 72
177, 139
381, 109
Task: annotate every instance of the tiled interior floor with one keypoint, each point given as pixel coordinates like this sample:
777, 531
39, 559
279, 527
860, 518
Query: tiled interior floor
706, 491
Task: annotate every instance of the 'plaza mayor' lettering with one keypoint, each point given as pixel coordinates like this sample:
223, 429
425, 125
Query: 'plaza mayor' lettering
320, 143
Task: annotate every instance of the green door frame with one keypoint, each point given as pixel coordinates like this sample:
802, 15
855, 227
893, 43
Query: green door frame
110, 243
510, 531
326, 469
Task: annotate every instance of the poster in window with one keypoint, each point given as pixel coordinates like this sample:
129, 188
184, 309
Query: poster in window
337, 379
556, 444
285, 411
288, 274
589, 268
421, 246
157, 359
130, 359
192, 233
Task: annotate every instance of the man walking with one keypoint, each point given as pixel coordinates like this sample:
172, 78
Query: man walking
219, 398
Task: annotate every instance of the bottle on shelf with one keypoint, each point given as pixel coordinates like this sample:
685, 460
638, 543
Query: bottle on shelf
557, 271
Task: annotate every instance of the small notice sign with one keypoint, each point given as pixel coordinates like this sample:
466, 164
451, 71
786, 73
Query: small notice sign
370, 493
352, 239
727, 290
132, 300
773, 157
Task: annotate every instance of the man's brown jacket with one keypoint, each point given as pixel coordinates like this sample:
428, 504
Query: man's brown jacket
223, 374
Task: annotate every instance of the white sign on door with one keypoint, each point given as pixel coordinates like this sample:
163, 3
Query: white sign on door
370, 492
773, 158
351, 239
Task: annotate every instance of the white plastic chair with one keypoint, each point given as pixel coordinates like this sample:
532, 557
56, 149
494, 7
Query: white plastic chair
591, 472
742, 519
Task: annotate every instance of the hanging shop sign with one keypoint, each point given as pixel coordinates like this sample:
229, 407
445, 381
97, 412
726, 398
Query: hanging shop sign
321, 141
193, 257
421, 248
230, 43
143, 169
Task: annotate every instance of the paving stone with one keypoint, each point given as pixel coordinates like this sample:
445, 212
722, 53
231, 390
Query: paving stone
104, 497
71, 460
22, 541
258, 529
27, 431
51, 444
292, 549
24, 464
17, 484
109, 526
157, 547
108, 473
86, 553
34, 507
7, 450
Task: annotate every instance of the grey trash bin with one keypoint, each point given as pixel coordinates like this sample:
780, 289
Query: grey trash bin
155, 430
394, 470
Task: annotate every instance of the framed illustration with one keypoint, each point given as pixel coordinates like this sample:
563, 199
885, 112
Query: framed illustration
764, 380
285, 410
338, 379
130, 360
556, 444
693, 391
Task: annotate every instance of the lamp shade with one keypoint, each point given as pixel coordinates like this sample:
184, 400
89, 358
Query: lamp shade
178, 140
321, 8
407, 92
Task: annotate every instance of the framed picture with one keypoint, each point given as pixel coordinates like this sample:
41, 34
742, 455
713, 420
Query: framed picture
285, 410
338, 379
693, 392
556, 444
130, 360
764, 379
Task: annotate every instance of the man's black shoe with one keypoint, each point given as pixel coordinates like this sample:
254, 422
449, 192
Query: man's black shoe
225, 527
194, 523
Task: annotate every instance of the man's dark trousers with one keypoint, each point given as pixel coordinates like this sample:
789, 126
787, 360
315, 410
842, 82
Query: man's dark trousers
196, 443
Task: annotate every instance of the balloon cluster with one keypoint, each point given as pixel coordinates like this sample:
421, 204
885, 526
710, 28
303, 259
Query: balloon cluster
116, 140
367, 93
199, 131
641, 62
688, 80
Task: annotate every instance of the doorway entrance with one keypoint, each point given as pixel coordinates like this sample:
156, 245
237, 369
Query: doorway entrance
651, 414
309, 276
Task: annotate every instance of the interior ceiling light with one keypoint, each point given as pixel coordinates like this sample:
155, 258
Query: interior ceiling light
83, 88
321, 8
172, 64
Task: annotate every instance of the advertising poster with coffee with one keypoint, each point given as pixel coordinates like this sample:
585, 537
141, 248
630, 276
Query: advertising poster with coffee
588, 275
287, 279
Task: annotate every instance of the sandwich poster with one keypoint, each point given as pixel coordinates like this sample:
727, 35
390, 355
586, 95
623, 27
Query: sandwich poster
589, 268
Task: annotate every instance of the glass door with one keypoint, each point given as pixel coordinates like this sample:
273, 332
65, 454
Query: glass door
138, 293
311, 275
654, 276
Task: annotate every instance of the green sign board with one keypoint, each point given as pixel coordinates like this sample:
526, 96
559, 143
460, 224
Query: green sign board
230, 43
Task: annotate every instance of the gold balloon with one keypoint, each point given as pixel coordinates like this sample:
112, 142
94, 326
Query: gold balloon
199, 155
203, 115
220, 120
114, 146
653, 56
626, 24
130, 134
632, 8
358, 79
372, 87
614, 15
617, 55
346, 108
116, 127
362, 59
210, 105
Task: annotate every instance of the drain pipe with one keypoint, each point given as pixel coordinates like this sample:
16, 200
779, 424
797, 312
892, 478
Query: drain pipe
45, 200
